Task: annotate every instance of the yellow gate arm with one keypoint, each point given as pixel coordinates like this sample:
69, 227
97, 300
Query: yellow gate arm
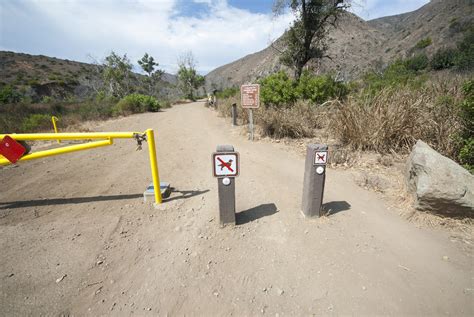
71, 136
58, 151
103, 139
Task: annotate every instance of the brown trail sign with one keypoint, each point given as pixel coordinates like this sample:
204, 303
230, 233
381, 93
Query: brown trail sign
250, 99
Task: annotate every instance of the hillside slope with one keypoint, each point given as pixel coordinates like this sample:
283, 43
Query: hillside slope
357, 45
38, 76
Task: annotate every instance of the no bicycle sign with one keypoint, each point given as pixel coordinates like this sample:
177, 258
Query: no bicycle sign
225, 164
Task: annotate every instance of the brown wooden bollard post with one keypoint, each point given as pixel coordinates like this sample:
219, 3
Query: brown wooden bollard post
314, 179
226, 168
234, 114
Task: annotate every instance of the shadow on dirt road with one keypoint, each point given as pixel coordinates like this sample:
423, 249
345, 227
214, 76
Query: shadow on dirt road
255, 213
334, 207
64, 201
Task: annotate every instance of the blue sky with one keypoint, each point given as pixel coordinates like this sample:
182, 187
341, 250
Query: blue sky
216, 31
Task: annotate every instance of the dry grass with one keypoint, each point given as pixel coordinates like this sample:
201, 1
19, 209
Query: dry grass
394, 119
299, 121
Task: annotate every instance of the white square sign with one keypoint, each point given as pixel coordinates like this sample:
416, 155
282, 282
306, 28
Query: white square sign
320, 157
226, 164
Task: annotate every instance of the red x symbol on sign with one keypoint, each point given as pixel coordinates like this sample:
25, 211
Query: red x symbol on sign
224, 164
321, 157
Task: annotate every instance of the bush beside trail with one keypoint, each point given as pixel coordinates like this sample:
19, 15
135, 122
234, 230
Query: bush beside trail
26, 117
383, 113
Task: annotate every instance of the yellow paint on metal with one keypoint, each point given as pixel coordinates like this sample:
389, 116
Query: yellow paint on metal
150, 136
58, 151
108, 136
70, 136
54, 119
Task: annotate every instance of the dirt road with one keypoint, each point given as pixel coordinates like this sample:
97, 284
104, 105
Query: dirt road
76, 237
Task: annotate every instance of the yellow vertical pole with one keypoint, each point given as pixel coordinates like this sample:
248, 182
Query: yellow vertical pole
54, 119
150, 136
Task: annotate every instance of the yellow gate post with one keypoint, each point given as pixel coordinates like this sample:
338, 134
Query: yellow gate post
54, 119
150, 136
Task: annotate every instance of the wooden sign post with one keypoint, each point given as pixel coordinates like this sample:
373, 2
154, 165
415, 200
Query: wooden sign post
250, 99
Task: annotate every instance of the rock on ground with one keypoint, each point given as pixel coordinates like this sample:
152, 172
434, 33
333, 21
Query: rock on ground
439, 184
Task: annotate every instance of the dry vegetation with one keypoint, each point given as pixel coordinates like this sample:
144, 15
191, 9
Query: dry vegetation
394, 119
391, 120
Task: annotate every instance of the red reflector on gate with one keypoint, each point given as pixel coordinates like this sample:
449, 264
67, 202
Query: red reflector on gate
11, 149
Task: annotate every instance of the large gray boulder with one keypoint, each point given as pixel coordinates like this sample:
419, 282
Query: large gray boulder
439, 184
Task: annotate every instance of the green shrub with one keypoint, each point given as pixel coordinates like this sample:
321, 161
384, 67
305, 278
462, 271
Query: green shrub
46, 99
466, 155
277, 90
443, 58
36, 122
96, 110
136, 103
417, 63
319, 89
396, 74
423, 43
9, 95
465, 57
227, 93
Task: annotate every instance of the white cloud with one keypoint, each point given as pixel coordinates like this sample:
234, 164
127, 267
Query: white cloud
73, 29
221, 34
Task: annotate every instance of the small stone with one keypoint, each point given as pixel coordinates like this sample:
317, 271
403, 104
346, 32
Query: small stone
149, 309
445, 258
216, 293
280, 291
99, 262
364, 288
61, 278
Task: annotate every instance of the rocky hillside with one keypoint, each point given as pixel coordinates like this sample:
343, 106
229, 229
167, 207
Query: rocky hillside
357, 45
38, 76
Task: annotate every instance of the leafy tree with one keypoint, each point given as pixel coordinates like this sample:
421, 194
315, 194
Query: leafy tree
306, 38
188, 78
148, 64
117, 74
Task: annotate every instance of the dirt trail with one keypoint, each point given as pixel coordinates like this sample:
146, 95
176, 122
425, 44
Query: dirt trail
81, 217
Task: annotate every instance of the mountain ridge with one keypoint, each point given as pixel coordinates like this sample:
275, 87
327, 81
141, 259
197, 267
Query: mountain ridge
357, 46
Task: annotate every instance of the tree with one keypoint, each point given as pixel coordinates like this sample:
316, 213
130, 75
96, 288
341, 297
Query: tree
117, 74
188, 78
306, 38
147, 63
